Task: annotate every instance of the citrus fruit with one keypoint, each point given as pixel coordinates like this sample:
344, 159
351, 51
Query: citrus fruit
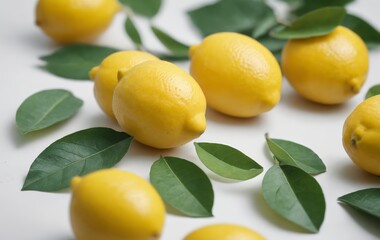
328, 69
105, 75
224, 232
159, 104
70, 21
238, 75
115, 205
361, 135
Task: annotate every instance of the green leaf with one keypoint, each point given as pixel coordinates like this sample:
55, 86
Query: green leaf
366, 200
75, 61
170, 43
46, 108
147, 8
227, 162
297, 155
295, 195
369, 34
133, 33
308, 5
232, 16
273, 44
373, 91
316, 23
183, 185
75, 155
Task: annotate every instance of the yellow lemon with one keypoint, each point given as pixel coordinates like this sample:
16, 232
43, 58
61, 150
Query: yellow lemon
224, 232
159, 104
361, 135
105, 75
115, 205
328, 69
69, 21
238, 75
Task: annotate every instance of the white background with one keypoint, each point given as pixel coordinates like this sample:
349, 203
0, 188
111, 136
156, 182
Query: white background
44, 216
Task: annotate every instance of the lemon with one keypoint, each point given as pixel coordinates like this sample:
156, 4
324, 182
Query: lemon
224, 232
361, 135
70, 21
159, 104
238, 75
328, 69
105, 75
115, 205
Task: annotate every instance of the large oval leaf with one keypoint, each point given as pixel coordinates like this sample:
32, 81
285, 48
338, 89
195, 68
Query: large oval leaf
316, 23
366, 200
227, 162
75, 155
295, 195
183, 185
75, 61
369, 34
46, 108
297, 155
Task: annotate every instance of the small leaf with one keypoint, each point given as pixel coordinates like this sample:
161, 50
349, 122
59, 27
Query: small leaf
316, 23
75, 155
232, 16
369, 34
295, 195
373, 91
133, 33
183, 185
297, 155
227, 162
307, 5
147, 8
46, 108
170, 43
366, 200
75, 61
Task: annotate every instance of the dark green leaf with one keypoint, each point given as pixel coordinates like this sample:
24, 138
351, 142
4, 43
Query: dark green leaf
366, 200
273, 44
46, 108
171, 58
170, 43
297, 155
75, 155
373, 91
227, 162
369, 34
147, 8
308, 5
133, 33
316, 23
233, 16
295, 195
75, 61
267, 23
183, 185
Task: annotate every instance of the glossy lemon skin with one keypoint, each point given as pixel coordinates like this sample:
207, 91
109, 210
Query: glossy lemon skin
361, 135
159, 104
71, 21
238, 75
115, 205
224, 232
105, 75
329, 69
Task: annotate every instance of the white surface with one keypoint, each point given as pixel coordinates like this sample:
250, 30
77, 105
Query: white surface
44, 216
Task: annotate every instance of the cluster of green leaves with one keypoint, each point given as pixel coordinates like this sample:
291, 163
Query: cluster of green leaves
185, 187
289, 187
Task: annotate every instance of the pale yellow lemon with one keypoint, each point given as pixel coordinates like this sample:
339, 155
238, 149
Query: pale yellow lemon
105, 75
224, 232
71, 21
159, 104
361, 135
115, 205
328, 69
238, 75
